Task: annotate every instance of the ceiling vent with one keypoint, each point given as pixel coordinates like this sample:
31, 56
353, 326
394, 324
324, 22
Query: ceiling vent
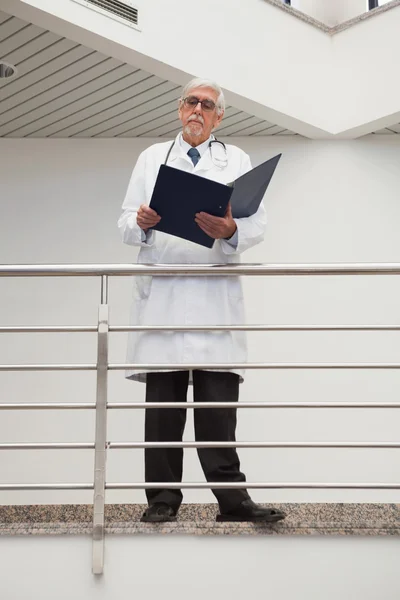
124, 11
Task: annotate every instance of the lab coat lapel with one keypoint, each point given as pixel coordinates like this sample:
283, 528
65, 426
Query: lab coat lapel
205, 163
178, 158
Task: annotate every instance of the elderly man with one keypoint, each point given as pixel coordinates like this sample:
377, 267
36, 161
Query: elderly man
191, 301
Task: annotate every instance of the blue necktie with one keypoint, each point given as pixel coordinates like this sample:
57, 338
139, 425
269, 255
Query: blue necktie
194, 155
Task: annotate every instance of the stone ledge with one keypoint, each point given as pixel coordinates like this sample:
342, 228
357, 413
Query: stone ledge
199, 519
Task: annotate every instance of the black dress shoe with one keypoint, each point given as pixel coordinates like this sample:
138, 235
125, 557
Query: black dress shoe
160, 512
250, 511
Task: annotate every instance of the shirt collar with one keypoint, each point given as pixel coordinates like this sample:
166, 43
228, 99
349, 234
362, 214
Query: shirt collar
202, 148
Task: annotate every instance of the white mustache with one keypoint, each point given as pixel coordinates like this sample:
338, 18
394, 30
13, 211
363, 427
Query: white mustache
199, 119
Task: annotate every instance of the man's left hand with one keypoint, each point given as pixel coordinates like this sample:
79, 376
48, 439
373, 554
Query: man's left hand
217, 227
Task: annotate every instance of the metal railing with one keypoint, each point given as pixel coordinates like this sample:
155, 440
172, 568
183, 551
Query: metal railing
102, 366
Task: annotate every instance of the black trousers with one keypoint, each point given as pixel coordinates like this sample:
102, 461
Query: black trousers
214, 424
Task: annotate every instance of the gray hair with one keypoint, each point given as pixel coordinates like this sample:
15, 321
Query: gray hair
197, 82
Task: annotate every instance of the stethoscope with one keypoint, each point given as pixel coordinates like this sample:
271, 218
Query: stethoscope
219, 157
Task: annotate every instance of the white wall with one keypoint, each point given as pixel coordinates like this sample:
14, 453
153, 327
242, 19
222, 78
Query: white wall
306, 568
324, 11
346, 10
332, 13
328, 202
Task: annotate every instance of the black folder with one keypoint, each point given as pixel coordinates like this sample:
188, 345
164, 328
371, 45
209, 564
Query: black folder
178, 196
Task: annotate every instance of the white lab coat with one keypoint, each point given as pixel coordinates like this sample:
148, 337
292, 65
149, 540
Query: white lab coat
185, 300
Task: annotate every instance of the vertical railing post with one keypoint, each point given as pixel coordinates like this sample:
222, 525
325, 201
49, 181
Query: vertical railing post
101, 431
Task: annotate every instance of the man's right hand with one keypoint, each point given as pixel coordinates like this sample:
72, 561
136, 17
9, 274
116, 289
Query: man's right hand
147, 217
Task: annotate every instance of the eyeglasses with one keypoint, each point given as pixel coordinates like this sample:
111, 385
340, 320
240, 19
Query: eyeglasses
192, 101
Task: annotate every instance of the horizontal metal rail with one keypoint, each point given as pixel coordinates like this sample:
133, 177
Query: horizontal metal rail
45, 486
128, 445
51, 329
243, 366
126, 328
200, 366
48, 446
192, 405
96, 270
43, 367
201, 485
49, 406
255, 485
140, 445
